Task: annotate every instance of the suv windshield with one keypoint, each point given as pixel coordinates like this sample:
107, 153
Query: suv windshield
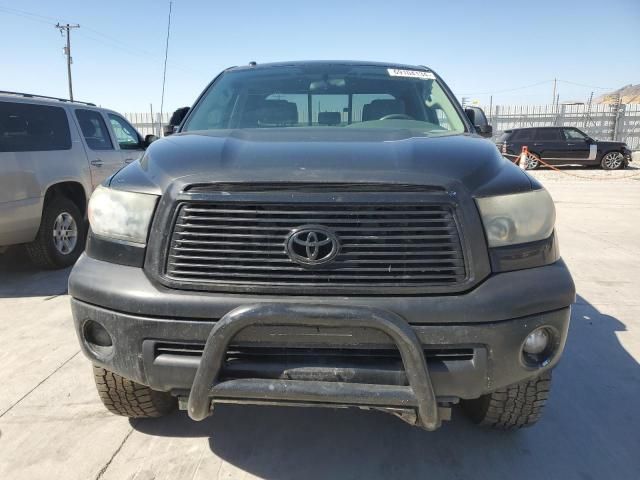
338, 96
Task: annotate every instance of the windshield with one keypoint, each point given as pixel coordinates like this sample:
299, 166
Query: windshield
327, 95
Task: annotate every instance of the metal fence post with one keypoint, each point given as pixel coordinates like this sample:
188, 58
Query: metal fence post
620, 110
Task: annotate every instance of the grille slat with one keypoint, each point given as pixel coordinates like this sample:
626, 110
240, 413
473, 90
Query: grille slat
342, 237
278, 249
336, 266
349, 279
239, 243
323, 210
355, 261
355, 218
406, 228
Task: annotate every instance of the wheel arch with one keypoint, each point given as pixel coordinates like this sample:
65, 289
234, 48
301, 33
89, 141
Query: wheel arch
611, 150
72, 190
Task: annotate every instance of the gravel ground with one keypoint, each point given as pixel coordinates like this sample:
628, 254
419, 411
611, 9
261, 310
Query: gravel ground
582, 174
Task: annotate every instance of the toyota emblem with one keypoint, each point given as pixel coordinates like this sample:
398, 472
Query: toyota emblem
312, 245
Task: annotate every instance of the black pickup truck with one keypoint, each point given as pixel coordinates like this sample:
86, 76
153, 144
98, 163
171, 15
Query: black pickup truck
562, 146
326, 234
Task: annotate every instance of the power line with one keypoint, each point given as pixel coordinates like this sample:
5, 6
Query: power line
586, 86
31, 16
509, 89
166, 54
107, 40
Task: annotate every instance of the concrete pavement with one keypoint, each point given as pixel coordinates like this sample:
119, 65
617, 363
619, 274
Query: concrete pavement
52, 424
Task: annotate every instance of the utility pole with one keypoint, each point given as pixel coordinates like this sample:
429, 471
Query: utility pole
166, 55
555, 80
67, 52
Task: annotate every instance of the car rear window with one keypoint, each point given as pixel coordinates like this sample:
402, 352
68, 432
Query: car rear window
33, 128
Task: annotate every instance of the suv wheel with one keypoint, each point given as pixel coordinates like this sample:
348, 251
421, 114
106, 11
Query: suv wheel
130, 399
61, 237
533, 161
612, 161
516, 406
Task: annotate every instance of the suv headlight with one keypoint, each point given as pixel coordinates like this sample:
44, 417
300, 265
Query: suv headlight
517, 218
121, 215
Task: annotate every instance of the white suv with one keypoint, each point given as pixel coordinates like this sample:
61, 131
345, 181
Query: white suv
53, 153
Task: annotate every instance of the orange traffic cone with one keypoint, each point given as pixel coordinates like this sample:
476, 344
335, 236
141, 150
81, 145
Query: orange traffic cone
522, 162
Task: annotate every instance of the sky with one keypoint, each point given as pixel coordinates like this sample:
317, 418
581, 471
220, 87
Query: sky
510, 50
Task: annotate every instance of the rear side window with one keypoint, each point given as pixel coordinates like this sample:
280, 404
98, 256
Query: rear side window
33, 128
548, 134
522, 135
94, 130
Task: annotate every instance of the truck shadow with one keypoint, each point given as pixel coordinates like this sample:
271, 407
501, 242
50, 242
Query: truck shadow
19, 278
589, 430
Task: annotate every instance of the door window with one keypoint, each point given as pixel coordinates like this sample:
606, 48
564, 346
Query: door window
548, 134
573, 134
33, 128
126, 135
523, 135
94, 130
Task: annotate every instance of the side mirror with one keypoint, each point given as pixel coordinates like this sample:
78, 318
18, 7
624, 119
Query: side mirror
589, 140
479, 121
148, 140
168, 130
175, 121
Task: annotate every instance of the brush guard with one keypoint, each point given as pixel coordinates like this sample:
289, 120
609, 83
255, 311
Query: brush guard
418, 396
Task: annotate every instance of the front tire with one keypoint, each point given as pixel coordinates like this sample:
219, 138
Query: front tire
516, 406
127, 398
61, 236
533, 161
612, 161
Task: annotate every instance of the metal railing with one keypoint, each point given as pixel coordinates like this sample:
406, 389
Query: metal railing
147, 123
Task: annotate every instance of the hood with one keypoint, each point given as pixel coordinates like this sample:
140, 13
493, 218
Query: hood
609, 144
318, 155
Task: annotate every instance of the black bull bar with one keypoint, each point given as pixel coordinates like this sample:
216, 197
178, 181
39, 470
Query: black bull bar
419, 395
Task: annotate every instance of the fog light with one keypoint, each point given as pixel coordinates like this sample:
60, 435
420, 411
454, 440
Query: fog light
96, 335
537, 341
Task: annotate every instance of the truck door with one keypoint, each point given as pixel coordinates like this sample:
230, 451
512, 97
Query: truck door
104, 159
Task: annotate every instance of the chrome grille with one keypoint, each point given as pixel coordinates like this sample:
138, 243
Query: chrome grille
234, 243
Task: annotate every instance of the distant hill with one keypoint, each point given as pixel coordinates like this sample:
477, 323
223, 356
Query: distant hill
628, 94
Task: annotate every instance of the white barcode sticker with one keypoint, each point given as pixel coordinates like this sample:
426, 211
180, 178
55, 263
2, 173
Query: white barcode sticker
396, 72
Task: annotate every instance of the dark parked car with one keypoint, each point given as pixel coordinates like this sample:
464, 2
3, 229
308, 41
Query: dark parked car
324, 234
562, 145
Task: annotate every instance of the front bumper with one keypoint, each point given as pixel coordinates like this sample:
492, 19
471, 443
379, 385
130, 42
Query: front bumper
159, 338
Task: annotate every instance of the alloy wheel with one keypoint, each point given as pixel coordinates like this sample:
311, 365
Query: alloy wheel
613, 160
65, 233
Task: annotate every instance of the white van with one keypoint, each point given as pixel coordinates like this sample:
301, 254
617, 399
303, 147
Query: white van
53, 153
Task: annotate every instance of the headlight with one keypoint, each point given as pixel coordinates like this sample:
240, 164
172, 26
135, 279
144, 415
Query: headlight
517, 218
121, 215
